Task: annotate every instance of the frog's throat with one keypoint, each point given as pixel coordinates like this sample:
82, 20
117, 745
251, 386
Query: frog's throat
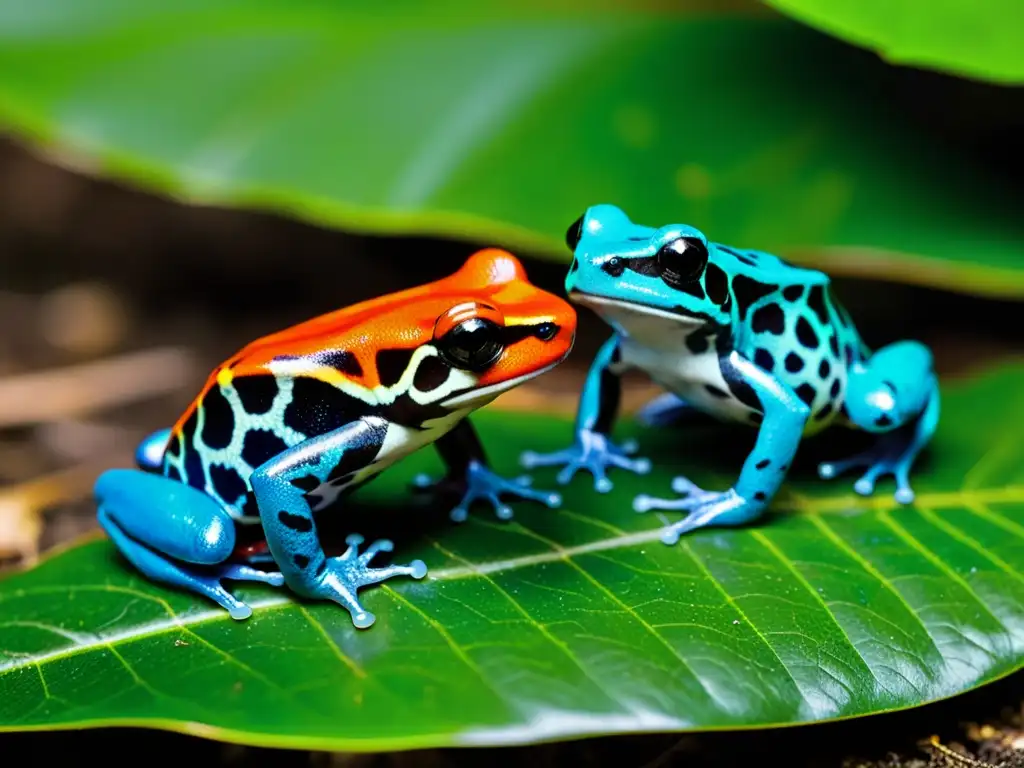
481, 396
603, 304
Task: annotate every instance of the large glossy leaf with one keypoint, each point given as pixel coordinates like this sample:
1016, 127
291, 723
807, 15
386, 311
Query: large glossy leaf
572, 622
976, 38
502, 122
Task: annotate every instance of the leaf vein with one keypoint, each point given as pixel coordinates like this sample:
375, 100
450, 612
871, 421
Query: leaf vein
803, 581
564, 554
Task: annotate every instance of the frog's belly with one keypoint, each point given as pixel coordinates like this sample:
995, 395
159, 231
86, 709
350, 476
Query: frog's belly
696, 378
398, 443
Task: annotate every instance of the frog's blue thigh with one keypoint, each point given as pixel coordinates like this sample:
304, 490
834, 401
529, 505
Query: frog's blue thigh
291, 530
174, 534
894, 394
664, 410
764, 469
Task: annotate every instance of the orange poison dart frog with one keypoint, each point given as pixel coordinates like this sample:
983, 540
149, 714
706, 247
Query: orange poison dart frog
300, 418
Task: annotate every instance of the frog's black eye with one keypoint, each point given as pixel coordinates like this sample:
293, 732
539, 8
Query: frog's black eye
574, 233
472, 345
547, 331
682, 260
615, 266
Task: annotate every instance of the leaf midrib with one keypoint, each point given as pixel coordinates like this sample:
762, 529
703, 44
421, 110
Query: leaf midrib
174, 621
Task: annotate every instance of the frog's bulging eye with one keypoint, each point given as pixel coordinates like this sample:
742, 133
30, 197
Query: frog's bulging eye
682, 260
574, 233
473, 345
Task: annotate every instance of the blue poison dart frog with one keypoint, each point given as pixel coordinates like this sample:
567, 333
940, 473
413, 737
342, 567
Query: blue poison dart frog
745, 337
300, 418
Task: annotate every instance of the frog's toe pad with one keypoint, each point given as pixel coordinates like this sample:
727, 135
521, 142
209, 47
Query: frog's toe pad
363, 619
865, 486
349, 572
878, 465
239, 612
423, 481
904, 496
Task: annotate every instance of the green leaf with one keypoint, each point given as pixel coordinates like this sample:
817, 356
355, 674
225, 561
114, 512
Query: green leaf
572, 622
501, 122
976, 38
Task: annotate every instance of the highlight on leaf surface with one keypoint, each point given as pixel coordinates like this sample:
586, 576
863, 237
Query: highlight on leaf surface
501, 123
571, 622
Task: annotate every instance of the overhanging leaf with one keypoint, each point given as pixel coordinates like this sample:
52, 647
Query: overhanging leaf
976, 38
572, 622
502, 122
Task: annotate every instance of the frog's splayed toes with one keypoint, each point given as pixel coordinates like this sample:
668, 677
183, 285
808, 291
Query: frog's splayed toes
745, 337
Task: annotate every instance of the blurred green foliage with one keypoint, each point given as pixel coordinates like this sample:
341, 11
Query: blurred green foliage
974, 38
500, 123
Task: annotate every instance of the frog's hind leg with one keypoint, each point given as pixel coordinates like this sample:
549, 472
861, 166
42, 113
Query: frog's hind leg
669, 409
894, 394
175, 534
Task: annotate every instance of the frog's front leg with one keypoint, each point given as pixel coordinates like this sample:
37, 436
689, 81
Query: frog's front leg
174, 534
784, 417
470, 478
895, 394
592, 449
291, 530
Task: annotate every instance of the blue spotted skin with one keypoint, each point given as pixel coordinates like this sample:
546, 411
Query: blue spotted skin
293, 423
741, 336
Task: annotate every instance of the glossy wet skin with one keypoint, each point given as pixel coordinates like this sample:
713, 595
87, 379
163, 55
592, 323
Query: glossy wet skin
618, 261
296, 420
743, 336
781, 317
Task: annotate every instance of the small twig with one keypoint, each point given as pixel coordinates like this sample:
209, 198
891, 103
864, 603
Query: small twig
64, 485
956, 757
44, 396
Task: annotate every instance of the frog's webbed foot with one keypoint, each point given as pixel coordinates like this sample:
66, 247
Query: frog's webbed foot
481, 484
593, 452
175, 535
210, 584
345, 574
891, 455
705, 508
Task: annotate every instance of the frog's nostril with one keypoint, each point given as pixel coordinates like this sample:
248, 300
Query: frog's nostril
547, 331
